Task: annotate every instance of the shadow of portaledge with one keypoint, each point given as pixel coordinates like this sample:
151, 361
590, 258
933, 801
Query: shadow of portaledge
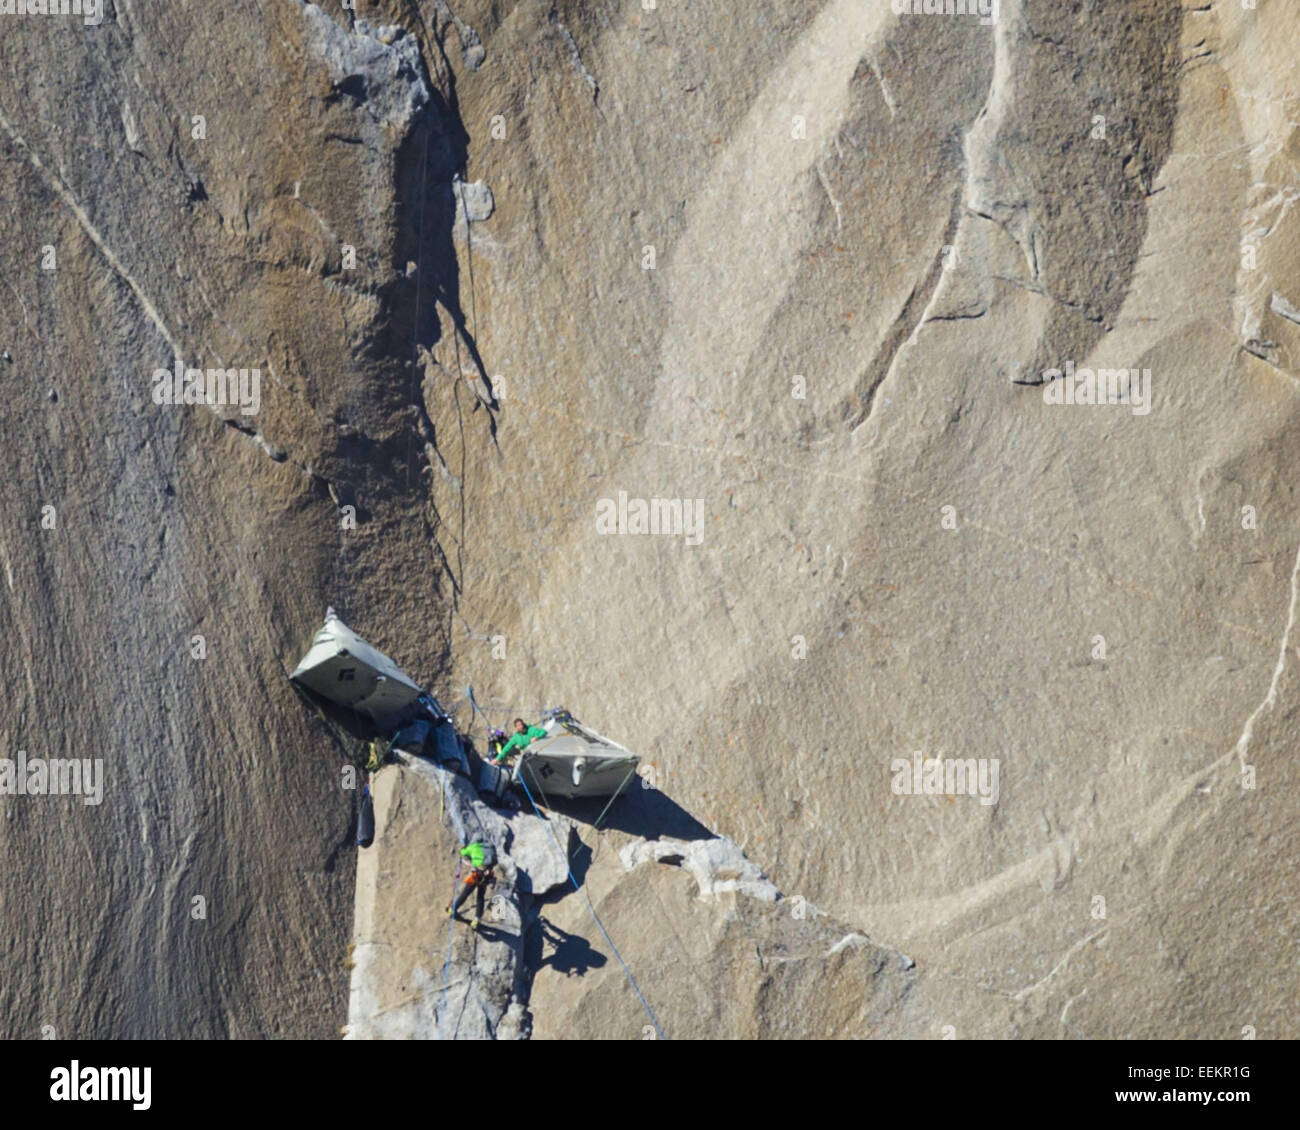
646, 813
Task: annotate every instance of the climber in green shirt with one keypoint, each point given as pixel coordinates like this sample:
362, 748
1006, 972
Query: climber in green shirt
480, 858
520, 739
482, 861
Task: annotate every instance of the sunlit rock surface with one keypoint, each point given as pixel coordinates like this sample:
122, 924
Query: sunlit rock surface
805, 262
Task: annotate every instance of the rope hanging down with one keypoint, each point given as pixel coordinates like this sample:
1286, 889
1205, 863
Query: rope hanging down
592, 911
469, 691
451, 935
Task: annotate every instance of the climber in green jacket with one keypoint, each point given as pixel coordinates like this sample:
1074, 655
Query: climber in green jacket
520, 739
482, 861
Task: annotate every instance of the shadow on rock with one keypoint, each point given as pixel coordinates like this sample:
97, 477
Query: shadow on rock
647, 813
570, 954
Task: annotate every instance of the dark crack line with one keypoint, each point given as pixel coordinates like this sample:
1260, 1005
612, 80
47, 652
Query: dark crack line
908, 320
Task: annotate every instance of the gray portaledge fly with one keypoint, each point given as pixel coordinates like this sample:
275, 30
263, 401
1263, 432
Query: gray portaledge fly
575, 761
345, 670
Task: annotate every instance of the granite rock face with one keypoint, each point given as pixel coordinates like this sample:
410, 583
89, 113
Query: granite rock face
815, 288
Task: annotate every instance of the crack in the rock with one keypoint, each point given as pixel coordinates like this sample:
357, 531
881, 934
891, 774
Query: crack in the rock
907, 322
576, 55
1270, 699
272, 451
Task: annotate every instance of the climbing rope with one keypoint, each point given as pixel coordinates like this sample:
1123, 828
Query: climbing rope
592, 911
618, 792
596, 826
537, 780
451, 934
519, 776
415, 322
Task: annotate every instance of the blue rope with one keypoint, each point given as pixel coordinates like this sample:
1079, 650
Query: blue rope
630, 979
